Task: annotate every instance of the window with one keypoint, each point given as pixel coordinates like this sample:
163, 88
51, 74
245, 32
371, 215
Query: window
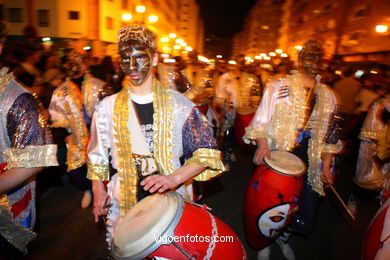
74, 15
1, 12
15, 15
125, 4
109, 23
361, 12
43, 18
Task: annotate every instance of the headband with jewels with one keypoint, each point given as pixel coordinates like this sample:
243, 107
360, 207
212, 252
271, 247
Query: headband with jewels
78, 57
311, 48
138, 33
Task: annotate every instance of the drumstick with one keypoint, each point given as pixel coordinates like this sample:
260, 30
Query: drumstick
342, 202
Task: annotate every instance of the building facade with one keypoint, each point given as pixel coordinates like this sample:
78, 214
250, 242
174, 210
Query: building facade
95, 23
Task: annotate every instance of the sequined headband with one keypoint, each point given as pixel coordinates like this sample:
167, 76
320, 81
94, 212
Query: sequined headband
139, 33
76, 57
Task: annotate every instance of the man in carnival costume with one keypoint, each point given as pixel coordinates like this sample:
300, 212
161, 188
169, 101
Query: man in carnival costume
26, 147
153, 138
235, 96
72, 107
298, 114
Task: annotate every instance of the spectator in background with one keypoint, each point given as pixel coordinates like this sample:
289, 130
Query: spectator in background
27, 72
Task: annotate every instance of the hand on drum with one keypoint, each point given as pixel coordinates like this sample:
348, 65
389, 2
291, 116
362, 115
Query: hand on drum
261, 151
100, 201
159, 183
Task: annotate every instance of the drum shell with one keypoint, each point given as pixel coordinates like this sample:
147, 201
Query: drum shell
242, 121
377, 231
266, 190
197, 221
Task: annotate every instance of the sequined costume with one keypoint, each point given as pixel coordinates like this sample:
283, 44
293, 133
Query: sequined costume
72, 109
279, 119
25, 142
240, 90
180, 131
374, 145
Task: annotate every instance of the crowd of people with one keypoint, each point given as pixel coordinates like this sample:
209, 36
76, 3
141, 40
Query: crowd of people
132, 125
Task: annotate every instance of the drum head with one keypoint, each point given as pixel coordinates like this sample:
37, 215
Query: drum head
286, 163
144, 223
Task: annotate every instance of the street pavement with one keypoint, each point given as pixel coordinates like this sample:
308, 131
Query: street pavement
65, 231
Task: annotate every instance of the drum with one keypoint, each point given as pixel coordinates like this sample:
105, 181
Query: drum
242, 121
376, 243
271, 198
166, 226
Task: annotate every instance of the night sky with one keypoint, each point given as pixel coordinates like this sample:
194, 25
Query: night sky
224, 18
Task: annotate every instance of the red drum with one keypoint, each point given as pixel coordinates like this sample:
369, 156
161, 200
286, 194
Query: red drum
376, 243
242, 121
166, 226
271, 198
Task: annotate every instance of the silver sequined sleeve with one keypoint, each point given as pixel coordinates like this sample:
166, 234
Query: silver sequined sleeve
25, 125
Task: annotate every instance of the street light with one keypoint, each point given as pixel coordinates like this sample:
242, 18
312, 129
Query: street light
126, 17
381, 28
164, 39
179, 41
284, 55
278, 51
172, 35
188, 48
298, 47
140, 9
153, 18
272, 54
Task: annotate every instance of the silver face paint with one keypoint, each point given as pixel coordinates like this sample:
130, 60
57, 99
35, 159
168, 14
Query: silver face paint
137, 64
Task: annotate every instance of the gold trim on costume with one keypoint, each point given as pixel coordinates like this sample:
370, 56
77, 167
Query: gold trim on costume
32, 156
77, 152
162, 134
209, 158
370, 134
163, 127
98, 172
127, 173
252, 133
5, 78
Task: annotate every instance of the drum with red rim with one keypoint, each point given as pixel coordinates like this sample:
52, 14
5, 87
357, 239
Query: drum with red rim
242, 121
164, 226
376, 243
271, 198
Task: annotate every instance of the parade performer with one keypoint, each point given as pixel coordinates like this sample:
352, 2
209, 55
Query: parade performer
147, 138
26, 147
373, 166
72, 106
237, 92
298, 114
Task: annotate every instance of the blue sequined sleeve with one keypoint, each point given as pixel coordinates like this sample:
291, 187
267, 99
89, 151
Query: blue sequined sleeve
197, 134
25, 125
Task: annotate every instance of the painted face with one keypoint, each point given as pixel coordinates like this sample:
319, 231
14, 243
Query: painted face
273, 220
137, 64
74, 69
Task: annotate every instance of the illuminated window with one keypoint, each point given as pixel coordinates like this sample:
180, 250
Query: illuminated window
74, 15
43, 18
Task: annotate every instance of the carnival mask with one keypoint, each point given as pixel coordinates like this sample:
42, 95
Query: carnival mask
310, 57
137, 64
273, 220
75, 65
